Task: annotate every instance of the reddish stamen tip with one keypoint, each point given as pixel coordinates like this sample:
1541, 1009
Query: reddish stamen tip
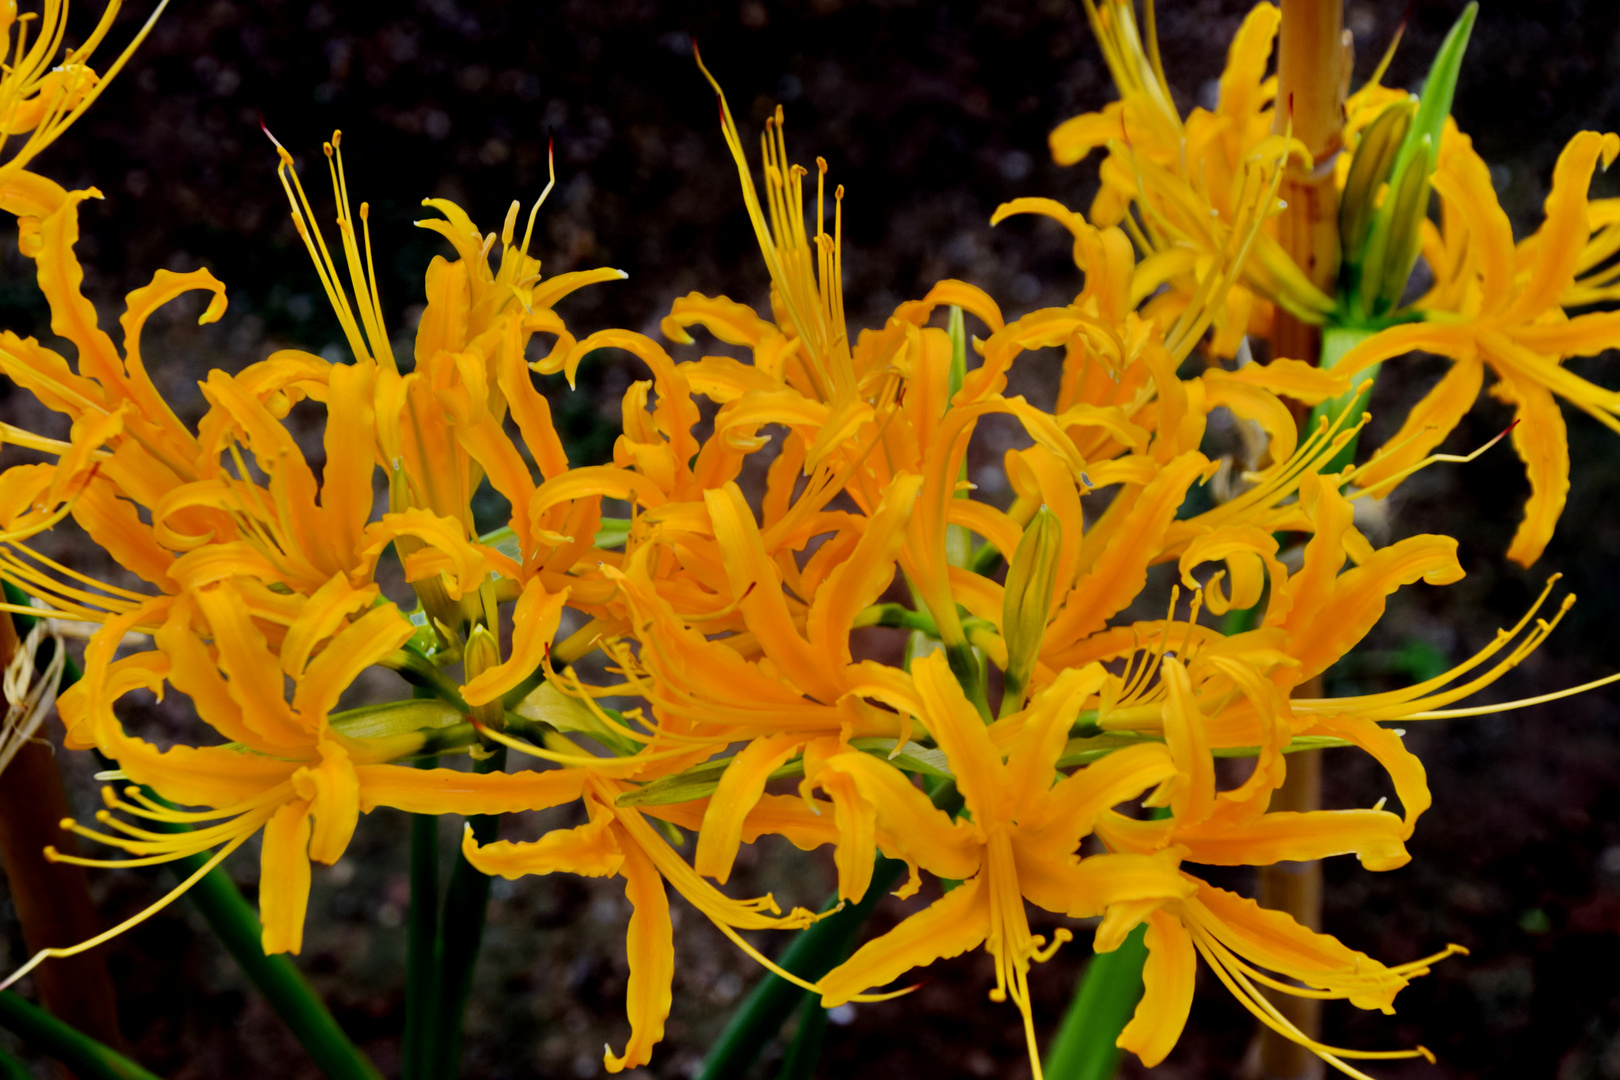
266, 129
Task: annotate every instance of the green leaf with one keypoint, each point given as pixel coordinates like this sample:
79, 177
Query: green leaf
395, 718
912, 757
548, 705
1439, 88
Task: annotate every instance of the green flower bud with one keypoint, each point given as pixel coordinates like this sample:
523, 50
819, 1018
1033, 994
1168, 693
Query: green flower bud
482, 652
1027, 603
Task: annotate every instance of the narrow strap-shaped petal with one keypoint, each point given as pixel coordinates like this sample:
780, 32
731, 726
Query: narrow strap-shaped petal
589, 850
353, 649
957, 727
1405, 770
1543, 445
254, 672
324, 614
1118, 571
1564, 234
862, 577
333, 791
1076, 801
1168, 978
1359, 596
284, 878
741, 785
1425, 427
1464, 180
920, 832
1192, 793
1275, 941
451, 791
950, 926
650, 945
1373, 836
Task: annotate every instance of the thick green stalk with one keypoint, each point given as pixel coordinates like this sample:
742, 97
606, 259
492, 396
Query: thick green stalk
13, 1069
282, 984
815, 951
805, 1052
1112, 985
1336, 341
88, 1059
422, 979
465, 904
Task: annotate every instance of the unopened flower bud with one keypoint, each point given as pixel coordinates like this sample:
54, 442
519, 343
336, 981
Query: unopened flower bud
1027, 602
482, 652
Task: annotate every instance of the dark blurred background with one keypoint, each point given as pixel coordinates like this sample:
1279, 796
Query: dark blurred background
930, 115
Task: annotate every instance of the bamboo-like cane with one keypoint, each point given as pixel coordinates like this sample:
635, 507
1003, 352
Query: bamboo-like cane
1312, 71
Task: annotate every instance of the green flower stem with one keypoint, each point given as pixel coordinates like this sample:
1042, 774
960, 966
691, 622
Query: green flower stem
814, 952
282, 984
88, 1059
13, 1069
805, 1052
422, 980
465, 905
1112, 985
1336, 341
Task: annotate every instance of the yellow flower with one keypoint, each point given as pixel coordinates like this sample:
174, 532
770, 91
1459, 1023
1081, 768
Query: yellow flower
1497, 306
1017, 842
287, 769
42, 93
1197, 183
619, 840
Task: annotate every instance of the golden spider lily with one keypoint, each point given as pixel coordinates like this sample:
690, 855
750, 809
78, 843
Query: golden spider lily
1192, 181
43, 91
621, 840
1497, 305
730, 635
288, 769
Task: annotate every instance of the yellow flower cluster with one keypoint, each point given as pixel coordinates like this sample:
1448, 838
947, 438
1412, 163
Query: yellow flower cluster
1492, 303
1039, 745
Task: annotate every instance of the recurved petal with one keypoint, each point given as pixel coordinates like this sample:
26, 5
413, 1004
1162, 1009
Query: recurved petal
534, 624
1559, 242
1425, 427
650, 945
333, 792
590, 850
1167, 980
920, 832
1373, 836
1275, 941
953, 924
1543, 445
741, 785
